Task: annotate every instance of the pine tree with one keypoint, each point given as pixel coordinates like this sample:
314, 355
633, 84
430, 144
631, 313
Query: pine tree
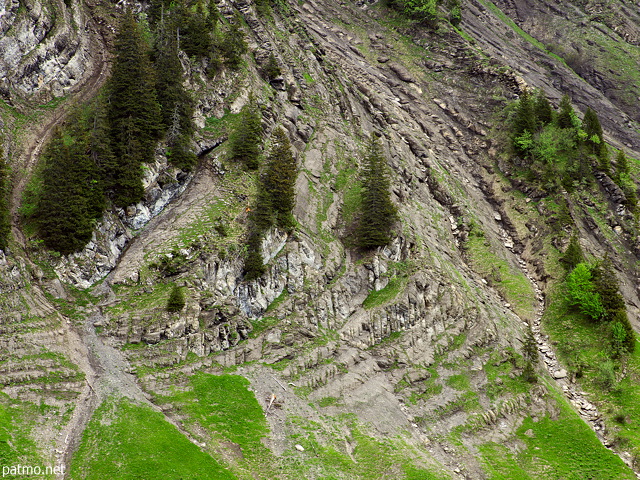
72, 196
132, 113
196, 31
594, 138
176, 300
543, 110
5, 221
378, 214
280, 179
246, 140
525, 118
622, 165
232, 45
253, 263
271, 69
607, 286
176, 105
566, 115
573, 254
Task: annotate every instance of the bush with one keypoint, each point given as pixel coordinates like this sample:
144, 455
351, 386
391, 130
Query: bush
176, 301
581, 294
606, 375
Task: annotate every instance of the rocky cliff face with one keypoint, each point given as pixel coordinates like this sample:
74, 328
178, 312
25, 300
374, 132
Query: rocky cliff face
418, 340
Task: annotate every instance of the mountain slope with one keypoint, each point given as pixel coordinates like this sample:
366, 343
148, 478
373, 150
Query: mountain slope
405, 362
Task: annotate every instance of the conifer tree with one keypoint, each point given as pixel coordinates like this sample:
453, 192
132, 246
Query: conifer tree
573, 255
594, 139
525, 119
280, 179
132, 113
566, 115
176, 105
196, 30
378, 213
542, 109
607, 286
5, 222
253, 263
622, 166
232, 45
176, 301
271, 70
247, 138
72, 196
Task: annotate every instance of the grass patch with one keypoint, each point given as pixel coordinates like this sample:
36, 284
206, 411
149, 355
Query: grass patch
560, 448
384, 295
277, 301
128, 441
509, 281
223, 405
262, 324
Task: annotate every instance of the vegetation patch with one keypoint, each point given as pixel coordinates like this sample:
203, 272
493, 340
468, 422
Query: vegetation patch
126, 441
512, 283
385, 294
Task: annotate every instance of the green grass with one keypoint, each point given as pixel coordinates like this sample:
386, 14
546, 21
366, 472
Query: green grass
580, 347
459, 382
384, 295
501, 15
277, 301
227, 410
509, 281
262, 324
16, 445
128, 441
325, 455
556, 448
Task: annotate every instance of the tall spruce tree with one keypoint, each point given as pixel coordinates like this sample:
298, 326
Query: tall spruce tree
566, 115
573, 255
378, 213
542, 109
132, 112
594, 138
280, 179
5, 221
246, 140
72, 195
176, 105
525, 117
607, 286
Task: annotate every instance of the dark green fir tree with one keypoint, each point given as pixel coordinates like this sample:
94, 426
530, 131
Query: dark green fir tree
573, 254
246, 140
176, 105
133, 113
176, 300
5, 221
72, 195
542, 109
378, 213
280, 179
566, 115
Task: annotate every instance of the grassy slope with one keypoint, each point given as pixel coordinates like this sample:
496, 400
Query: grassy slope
129, 441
